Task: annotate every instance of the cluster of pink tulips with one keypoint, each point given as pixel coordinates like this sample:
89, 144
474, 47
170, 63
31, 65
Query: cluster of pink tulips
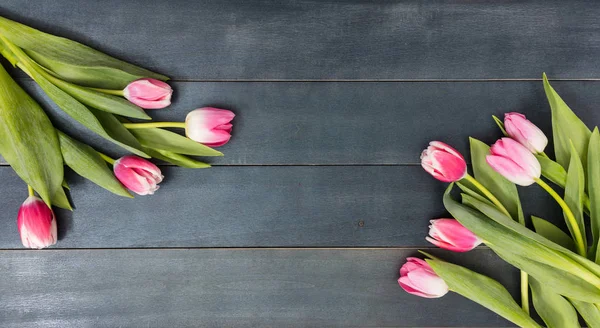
209, 126
512, 157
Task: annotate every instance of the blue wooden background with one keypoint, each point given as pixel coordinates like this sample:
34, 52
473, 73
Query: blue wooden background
320, 197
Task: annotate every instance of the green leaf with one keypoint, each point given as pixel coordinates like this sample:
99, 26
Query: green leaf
482, 290
500, 125
574, 191
85, 161
561, 282
517, 240
589, 312
594, 189
554, 309
73, 61
499, 217
99, 100
173, 142
117, 132
60, 199
88, 117
566, 126
28, 141
177, 159
469, 190
504, 190
552, 171
553, 233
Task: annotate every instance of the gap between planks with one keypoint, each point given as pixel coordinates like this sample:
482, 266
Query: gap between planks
254, 248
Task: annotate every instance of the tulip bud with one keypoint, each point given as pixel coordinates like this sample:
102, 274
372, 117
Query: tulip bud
513, 161
149, 93
451, 235
525, 132
209, 126
138, 174
443, 162
418, 278
36, 224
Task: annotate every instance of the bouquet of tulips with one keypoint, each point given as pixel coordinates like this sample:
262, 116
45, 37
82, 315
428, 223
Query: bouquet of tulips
107, 97
560, 268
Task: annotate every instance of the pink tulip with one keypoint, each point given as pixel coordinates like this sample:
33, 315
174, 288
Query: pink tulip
36, 224
209, 126
525, 132
417, 278
149, 93
451, 235
513, 161
443, 162
138, 174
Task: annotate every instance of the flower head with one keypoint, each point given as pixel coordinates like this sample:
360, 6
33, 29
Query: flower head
513, 161
451, 235
209, 126
443, 162
36, 224
418, 278
525, 132
149, 93
137, 174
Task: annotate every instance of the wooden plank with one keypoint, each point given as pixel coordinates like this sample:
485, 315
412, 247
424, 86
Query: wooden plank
356, 123
225, 288
268, 206
258, 40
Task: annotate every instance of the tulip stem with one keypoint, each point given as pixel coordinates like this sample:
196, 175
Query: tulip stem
30, 190
154, 125
109, 91
570, 217
488, 194
524, 276
107, 158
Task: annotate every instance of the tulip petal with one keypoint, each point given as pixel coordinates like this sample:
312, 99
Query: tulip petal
448, 246
509, 169
404, 282
427, 282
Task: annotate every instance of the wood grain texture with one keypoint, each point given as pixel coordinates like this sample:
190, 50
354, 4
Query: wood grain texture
255, 39
227, 288
304, 123
274, 206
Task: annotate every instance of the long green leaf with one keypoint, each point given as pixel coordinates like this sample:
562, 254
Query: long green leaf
561, 282
523, 244
173, 142
117, 132
60, 199
594, 189
499, 217
503, 189
85, 161
589, 312
553, 233
73, 61
177, 159
574, 191
99, 100
554, 309
28, 141
552, 171
566, 126
86, 116
482, 290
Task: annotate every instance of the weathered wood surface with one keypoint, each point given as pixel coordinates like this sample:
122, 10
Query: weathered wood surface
274, 206
324, 154
319, 40
230, 288
306, 123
